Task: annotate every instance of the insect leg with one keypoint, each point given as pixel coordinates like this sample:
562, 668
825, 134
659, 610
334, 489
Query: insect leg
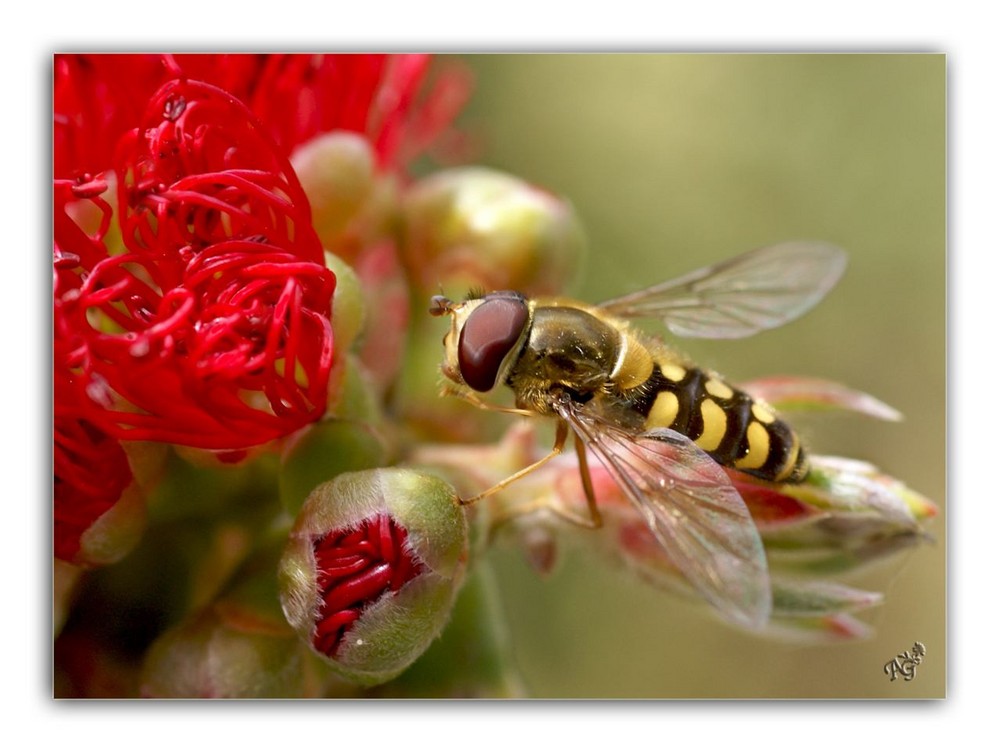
449, 391
588, 485
593, 520
562, 431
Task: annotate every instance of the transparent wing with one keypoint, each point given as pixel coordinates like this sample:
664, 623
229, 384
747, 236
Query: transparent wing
758, 290
691, 507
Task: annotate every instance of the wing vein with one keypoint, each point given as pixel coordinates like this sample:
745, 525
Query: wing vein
690, 506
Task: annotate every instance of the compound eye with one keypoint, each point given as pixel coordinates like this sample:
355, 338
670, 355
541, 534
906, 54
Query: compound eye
487, 337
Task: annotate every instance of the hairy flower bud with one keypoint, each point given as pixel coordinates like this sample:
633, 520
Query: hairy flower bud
213, 656
372, 568
474, 227
239, 646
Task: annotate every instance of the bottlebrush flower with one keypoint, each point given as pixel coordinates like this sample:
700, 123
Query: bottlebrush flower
95, 521
96, 99
213, 329
372, 568
392, 100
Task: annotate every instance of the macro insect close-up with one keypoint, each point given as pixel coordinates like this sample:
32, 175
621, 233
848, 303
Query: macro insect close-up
656, 422
493, 376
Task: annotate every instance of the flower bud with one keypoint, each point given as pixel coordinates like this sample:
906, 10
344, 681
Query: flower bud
337, 170
348, 303
860, 516
371, 569
240, 646
479, 228
211, 657
116, 532
387, 295
355, 397
352, 202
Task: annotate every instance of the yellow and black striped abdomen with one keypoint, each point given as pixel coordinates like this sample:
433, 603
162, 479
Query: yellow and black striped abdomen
731, 426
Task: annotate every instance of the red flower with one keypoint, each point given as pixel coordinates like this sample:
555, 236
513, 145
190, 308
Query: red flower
91, 472
236, 356
388, 98
298, 97
96, 98
90, 467
214, 331
211, 328
353, 569
200, 170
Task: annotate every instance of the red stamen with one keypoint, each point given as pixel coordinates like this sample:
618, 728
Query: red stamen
363, 587
355, 569
330, 631
214, 330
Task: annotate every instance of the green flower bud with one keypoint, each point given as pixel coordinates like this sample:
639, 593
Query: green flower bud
240, 646
387, 297
337, 172
348, 303
478, 228
211, 657
356, 397
371, 570
97, 521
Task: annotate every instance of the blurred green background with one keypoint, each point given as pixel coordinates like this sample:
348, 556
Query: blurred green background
677, 161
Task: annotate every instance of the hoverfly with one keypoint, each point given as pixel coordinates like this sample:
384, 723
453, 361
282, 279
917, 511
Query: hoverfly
661, 426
